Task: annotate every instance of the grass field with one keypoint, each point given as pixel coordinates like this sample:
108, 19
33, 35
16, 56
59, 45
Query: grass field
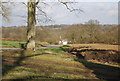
17, 44
53, 64
98, 46
13, 44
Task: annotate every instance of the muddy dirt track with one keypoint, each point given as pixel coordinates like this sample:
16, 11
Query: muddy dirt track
100, 55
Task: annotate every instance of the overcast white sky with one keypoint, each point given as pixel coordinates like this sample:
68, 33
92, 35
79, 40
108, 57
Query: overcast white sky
105, 11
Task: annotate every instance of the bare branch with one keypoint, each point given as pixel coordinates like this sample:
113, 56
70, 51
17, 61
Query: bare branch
41, 10
70, 9
43, 14
45, 4
37, 2
5, 12
24, 4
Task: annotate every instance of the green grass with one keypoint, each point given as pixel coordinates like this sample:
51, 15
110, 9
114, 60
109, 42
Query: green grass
56, 50
17, 44
11, 43
54, 65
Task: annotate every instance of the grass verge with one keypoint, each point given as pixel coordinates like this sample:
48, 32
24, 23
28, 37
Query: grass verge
56, 64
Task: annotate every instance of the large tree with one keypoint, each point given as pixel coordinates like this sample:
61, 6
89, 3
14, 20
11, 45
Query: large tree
31, 25
32, 5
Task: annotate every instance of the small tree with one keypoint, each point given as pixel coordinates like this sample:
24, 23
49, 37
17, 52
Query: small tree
92, 30
92, 22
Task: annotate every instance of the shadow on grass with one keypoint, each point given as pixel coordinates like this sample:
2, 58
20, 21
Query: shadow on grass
65, 49
101, 71
7, 68
37, 78
45, 78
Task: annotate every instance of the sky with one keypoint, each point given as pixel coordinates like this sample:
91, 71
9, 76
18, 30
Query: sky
106, 12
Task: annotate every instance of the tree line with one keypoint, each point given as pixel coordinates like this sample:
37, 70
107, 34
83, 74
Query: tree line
76, 33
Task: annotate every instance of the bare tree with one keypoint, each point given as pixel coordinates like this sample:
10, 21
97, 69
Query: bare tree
32, 5
31, 25
92, 30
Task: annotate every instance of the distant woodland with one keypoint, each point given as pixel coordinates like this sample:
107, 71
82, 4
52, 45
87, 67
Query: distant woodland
76, 33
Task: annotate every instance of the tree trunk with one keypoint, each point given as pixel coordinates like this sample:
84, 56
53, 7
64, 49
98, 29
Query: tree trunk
31, 26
